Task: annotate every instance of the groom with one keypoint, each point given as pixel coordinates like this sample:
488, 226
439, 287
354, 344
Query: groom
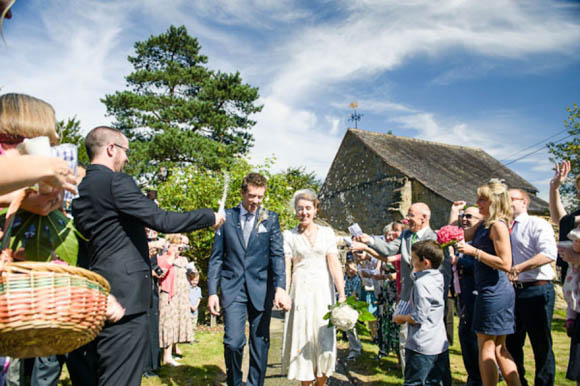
247, 260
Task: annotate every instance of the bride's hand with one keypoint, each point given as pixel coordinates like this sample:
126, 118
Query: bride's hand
341, 298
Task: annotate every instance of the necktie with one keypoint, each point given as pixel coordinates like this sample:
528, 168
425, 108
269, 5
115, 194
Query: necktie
512, 227
248, 227
414, 238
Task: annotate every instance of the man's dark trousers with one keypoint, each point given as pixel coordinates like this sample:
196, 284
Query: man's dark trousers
122, 348
533, 311
235, 340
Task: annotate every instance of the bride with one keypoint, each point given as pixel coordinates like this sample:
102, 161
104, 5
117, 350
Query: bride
309, 347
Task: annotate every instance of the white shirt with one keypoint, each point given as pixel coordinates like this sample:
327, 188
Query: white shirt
531, 236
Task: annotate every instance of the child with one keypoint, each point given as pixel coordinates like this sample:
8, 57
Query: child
352, 287
426, 353
571, 285
194, 298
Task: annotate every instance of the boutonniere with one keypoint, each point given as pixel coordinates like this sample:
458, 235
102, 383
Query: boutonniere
263, 216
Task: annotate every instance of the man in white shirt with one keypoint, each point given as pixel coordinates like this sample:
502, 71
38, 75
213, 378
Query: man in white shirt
533, 250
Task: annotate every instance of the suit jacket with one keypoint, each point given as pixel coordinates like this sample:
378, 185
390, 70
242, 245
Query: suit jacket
260, 266
402, 245
112, 212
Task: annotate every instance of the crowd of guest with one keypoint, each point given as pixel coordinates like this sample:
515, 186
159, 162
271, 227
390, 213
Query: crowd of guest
502, 276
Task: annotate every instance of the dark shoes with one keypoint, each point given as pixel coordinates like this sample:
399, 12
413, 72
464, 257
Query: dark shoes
150, 374
352, 357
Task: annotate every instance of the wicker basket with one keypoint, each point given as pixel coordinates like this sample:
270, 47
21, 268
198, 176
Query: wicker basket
48, 308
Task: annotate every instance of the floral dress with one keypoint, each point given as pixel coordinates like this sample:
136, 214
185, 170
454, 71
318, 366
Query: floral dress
175, 323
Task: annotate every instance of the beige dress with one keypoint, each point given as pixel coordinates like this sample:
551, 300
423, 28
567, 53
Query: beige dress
309, 346
175, 324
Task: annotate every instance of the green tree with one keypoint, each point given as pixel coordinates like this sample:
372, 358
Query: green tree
178, 112
569, 150
194, 187
70, 132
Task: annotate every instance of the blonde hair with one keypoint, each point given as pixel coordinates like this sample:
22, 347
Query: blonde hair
27, 116
174, 238
500, 203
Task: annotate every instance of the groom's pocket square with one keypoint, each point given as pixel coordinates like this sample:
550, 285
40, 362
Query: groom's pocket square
262, 229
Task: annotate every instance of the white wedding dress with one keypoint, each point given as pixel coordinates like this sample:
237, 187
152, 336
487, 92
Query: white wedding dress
309, 346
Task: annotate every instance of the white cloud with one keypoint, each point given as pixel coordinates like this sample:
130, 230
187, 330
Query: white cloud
294, 136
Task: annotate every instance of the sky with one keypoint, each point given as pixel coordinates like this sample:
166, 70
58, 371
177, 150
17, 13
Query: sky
496, 74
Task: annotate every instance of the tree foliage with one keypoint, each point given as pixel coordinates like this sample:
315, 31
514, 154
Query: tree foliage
70, 132
569, 150
193, 187
178, 112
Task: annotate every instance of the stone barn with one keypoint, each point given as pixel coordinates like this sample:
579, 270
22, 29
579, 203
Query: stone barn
375, 177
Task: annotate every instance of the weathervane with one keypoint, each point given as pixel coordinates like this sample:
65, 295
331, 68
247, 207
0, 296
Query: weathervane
355, 116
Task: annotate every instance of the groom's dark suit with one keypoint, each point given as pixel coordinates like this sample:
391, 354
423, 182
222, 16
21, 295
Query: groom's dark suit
247, 277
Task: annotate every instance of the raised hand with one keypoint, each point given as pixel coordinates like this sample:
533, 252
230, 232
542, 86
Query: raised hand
561, 172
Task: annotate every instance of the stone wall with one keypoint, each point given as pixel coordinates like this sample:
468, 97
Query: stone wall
361, 188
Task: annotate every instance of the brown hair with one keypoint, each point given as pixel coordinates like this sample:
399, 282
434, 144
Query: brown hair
428, 250
305, 194
99, 137
255, 179
26, 116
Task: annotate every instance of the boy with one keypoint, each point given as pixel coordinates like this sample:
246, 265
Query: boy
194, 298
352, 287
426, 353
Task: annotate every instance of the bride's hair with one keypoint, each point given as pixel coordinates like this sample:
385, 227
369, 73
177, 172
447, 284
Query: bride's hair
304, 194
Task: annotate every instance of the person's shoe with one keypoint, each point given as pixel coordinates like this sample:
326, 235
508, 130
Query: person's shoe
173, 363
150, 374
352, 357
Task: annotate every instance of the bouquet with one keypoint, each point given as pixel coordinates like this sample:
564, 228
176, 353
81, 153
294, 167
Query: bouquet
348, 315
449, 235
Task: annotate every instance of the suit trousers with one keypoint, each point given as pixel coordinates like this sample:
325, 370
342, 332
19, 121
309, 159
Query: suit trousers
534, 309
235, 339
121, 350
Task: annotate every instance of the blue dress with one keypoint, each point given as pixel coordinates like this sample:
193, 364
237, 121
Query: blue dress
495, 300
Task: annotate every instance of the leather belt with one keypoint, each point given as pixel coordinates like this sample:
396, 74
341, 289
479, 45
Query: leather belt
526, 284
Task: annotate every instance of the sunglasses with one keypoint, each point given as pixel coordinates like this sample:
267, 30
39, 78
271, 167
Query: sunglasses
467, 216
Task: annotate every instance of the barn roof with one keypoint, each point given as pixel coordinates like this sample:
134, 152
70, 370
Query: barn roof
453, 172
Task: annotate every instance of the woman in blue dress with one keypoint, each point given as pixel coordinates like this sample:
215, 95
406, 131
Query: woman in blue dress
493, 316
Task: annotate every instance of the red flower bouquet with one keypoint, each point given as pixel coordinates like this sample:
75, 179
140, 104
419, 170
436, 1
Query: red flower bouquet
449, 235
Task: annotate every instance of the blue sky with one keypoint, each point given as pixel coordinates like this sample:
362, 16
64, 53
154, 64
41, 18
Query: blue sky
495, 74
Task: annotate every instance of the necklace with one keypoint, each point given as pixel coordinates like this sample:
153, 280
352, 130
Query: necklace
311, 234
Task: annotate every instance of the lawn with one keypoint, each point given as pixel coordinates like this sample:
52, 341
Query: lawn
203, 363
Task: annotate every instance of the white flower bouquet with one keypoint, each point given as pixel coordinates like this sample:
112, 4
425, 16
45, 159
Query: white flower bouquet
348, 315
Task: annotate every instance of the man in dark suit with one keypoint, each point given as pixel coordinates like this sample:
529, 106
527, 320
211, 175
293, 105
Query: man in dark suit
247, 262
112, 212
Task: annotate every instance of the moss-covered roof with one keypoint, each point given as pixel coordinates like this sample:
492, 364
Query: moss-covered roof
453, 172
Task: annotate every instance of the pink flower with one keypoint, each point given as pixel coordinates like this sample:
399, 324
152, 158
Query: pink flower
449, 235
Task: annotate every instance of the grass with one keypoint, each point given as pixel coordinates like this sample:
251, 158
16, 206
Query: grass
203, 362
